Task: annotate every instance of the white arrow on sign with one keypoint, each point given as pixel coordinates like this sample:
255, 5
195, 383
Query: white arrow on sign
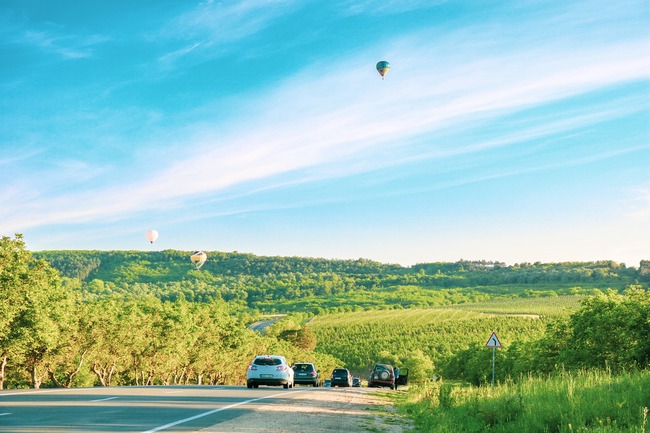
493, 341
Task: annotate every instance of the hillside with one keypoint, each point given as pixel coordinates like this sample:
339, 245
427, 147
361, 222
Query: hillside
280, 284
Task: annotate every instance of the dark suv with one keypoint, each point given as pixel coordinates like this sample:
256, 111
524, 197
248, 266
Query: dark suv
305, 373
341, 377
384, 375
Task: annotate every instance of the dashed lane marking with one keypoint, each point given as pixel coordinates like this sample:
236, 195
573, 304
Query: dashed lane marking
201, 415
103, 399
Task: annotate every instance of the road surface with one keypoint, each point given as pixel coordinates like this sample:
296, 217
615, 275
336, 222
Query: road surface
206, 409
260, 326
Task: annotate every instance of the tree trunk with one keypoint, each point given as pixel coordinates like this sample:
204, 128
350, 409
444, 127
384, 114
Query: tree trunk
3, 365
100, 373
111, 371
69, 376
36, 379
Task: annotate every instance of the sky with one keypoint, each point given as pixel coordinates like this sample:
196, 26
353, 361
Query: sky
512, 130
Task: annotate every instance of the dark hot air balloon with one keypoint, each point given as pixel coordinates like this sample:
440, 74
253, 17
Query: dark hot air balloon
382, 68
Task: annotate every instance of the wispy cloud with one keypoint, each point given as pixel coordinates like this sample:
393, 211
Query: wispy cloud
316, 126
213, 24
66, 46
378, 7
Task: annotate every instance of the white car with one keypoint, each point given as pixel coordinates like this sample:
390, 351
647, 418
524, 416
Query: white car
269, 370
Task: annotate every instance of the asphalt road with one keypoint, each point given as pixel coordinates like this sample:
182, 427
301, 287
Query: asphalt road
131, 409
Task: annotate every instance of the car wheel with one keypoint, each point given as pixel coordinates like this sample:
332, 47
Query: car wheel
256, 386
249, 385
286, 386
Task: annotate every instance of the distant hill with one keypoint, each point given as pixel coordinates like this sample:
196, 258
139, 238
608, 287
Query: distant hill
308, 284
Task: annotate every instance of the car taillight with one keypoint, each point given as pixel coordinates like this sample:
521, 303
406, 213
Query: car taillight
313, 373
282, 368
252, 367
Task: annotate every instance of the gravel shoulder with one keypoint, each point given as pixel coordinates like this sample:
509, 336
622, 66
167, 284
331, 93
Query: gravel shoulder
351, 410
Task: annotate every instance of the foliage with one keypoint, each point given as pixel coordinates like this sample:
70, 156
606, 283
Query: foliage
566, 402
37, 312
130, 317
51, 336
610, 330
607, 331
281, 284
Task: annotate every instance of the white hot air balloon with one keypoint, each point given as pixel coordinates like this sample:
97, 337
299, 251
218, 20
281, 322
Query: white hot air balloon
198, 258
151, 236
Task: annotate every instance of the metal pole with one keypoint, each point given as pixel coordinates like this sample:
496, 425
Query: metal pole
493, 368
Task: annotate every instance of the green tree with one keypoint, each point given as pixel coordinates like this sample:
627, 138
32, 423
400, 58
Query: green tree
15, 278
612, 330
420, 366
107, 330
35, 309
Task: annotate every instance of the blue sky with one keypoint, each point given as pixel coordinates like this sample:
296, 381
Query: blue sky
516, 131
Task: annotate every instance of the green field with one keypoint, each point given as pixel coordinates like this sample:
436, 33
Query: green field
362, 338
542, 306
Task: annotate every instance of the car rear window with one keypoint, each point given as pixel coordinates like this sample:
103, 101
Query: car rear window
267, 361
382, 367
304, 367
340, 371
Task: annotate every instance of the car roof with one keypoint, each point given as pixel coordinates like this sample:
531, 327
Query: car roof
270, 357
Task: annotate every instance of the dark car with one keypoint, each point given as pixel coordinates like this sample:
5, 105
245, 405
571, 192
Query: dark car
305, 373
356, 382
341, 377
382, 375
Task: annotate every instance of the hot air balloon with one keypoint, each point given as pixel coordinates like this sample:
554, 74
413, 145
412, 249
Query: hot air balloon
382, 68
151, 235
198, 258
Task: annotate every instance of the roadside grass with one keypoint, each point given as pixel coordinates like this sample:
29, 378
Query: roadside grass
383, 416
566, 402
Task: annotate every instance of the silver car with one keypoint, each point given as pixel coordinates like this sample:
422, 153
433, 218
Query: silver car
269, 370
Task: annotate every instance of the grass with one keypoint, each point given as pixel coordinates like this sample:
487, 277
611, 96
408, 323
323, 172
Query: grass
585, 401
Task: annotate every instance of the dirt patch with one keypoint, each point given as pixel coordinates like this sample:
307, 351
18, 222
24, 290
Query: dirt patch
331, 410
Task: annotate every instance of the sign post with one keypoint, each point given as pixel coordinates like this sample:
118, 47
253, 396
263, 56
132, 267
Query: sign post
493, 342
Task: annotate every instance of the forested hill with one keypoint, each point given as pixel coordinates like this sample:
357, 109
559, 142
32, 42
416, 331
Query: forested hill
276, 283
173, 265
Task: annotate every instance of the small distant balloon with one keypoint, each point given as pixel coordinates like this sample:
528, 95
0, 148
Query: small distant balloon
198, 258
151, 235
382, 68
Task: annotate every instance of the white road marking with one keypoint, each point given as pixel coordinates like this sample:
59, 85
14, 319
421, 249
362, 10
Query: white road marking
201, 415
3, 414
103, 399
